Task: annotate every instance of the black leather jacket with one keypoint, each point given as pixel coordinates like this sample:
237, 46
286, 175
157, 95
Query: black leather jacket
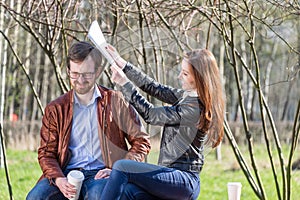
182, 143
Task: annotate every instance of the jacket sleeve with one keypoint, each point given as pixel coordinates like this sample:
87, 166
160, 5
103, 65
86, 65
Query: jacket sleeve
184, 113
162, 92
48, 150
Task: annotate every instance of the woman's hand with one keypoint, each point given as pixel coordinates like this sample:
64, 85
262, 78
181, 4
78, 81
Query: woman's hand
120, 62
65, 187
103, 173
118, 76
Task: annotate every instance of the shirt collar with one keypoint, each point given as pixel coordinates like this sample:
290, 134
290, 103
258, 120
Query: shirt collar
96, 94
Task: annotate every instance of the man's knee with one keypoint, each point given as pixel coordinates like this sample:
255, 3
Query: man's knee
31, 195
43, 190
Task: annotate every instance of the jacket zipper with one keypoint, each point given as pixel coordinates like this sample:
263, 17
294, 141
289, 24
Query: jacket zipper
105, 147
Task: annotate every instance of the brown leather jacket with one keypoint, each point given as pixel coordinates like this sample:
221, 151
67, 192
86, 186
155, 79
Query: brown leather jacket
117, 121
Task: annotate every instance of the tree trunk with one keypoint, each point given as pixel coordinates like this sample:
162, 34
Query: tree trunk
3, 50
221, 67
17, 38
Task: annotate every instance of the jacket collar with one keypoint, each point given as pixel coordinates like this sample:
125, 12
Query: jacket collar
191, 93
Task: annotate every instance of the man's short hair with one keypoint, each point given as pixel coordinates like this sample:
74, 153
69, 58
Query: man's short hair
79, 51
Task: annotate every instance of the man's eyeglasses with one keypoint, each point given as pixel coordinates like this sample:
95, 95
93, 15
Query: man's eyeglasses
76, 75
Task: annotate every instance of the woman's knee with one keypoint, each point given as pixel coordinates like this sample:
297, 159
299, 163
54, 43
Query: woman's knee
123, 165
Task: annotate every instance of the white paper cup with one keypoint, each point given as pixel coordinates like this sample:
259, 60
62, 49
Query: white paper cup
75, 178
234, 190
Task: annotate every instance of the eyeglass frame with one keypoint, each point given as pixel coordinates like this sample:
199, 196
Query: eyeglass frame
80, 74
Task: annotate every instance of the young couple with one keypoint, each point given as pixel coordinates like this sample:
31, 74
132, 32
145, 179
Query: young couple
193, 119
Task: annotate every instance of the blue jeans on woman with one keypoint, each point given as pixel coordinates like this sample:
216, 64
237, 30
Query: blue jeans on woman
137, 180
90, 189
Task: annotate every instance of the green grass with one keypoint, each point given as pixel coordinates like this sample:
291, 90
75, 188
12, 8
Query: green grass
24, 172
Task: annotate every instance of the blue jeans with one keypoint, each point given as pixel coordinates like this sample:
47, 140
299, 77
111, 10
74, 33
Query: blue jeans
137, 180
90, 189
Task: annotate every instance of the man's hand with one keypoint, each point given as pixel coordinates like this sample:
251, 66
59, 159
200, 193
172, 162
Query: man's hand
65, 187
103, 173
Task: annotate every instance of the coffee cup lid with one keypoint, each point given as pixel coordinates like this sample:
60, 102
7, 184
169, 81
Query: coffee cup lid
76, 174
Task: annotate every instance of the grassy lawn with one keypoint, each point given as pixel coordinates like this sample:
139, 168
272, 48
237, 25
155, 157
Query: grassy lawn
24, 172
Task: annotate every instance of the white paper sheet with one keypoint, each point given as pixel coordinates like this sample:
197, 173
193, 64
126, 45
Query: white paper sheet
96, 36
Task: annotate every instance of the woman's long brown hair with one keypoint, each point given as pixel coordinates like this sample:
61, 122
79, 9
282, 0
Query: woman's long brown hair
210, 92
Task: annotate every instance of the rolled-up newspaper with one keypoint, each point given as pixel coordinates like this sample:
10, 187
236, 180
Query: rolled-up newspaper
96, 36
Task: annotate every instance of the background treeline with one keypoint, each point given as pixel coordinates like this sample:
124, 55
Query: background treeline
257, 45
154, 34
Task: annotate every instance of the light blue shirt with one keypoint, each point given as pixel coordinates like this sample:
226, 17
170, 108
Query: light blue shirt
84, 141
